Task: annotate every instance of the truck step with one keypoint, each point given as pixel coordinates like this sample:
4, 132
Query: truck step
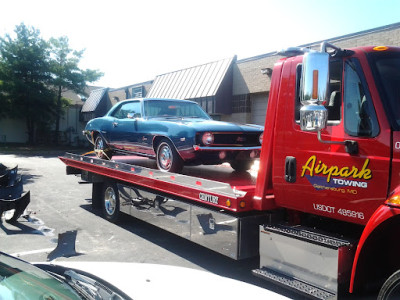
308, 236
312, 257
294, 284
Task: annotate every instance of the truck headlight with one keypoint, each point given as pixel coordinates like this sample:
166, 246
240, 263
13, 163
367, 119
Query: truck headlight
207, 138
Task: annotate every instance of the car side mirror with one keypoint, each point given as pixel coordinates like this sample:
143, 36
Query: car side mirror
134, 115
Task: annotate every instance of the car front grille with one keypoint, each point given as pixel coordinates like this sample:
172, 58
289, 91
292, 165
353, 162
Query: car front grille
234, 139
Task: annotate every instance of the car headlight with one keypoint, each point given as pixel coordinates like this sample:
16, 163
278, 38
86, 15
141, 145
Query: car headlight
260, 138
207, 138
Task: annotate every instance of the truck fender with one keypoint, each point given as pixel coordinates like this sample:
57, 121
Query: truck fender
372, 243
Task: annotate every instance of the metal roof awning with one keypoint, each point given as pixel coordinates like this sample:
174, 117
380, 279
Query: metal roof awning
94, 100
208, 82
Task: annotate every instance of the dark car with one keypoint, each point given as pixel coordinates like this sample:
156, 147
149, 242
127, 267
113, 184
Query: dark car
175, 133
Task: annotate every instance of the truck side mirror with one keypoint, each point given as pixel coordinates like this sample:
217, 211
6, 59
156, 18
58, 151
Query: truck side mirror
314, 90
313, 117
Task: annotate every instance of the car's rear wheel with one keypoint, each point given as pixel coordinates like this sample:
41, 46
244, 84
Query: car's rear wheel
168, 159
241, 165
101, 149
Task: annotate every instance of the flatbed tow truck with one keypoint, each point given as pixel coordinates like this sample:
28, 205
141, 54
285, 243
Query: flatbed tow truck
323, 210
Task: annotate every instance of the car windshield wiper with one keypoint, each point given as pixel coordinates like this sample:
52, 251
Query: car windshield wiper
89, 288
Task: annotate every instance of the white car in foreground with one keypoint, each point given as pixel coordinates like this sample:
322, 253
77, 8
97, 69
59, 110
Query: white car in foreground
115, 281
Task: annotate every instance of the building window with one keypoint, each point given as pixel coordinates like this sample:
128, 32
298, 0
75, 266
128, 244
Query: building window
207, 103
241, 104
138, 92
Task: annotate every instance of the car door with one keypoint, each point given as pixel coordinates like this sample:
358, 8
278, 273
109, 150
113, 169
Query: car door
123, 134
329, 180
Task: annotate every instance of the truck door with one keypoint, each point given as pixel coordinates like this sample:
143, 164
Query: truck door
327, 179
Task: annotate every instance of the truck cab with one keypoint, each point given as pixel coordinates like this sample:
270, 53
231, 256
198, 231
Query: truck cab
334, 117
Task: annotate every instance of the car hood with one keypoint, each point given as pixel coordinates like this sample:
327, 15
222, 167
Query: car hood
143, 281
212, 125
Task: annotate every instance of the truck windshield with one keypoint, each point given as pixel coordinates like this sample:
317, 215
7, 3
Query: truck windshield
386, 69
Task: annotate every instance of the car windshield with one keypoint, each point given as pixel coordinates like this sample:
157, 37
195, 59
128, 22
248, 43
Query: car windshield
179, 109
386, 67
20, 280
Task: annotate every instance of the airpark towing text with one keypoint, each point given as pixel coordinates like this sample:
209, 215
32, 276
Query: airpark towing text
345, 174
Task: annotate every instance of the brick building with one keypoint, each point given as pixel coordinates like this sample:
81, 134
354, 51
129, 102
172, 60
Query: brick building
251, 76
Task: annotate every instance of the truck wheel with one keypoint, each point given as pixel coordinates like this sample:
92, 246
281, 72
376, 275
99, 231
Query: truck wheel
111, 202
168, 159
101, 149
391, 287
241, 165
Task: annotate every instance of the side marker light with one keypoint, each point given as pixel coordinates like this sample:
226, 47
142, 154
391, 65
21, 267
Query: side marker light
394, 200
380, 48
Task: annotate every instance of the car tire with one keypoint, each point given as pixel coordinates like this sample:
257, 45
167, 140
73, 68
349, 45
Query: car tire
241, 165
101, 149
391, 288
111, 202
168, 159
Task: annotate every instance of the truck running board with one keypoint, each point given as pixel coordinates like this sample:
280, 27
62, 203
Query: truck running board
314, 263
294, 284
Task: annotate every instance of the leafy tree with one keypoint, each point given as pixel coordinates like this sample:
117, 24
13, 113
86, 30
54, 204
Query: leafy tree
67, 75
34, 74
25, 78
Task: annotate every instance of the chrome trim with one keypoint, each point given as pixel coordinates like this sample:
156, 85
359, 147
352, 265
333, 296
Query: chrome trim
88, 136
198, 148
230, 235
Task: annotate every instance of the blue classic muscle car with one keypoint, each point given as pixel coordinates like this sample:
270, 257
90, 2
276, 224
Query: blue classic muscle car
175, 133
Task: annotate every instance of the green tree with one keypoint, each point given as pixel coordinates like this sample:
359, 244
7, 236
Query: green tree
25, 78
67, 75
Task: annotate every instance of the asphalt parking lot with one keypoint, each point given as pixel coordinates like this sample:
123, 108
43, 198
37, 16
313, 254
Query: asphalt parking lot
60, 204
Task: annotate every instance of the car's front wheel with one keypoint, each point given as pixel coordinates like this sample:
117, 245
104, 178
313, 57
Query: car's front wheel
168, 159
101, 149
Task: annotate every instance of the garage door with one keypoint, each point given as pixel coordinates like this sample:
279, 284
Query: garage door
258, 108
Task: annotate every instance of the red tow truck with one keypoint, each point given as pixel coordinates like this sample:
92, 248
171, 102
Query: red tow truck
323, 211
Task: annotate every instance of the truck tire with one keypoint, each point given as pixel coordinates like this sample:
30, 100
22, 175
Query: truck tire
168, 159
241, 165
111, 202
391, 288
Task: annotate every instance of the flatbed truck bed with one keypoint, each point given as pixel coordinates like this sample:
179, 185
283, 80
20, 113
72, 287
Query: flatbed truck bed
215, 211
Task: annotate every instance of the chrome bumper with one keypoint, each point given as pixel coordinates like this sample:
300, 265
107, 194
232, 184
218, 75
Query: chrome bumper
88, 136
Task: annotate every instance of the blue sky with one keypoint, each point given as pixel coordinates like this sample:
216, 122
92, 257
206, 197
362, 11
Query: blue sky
133, 41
